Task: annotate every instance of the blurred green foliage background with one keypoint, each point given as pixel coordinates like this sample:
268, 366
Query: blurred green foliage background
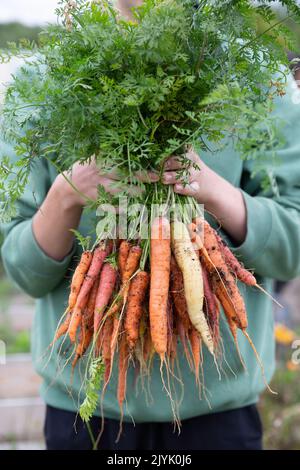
13, 32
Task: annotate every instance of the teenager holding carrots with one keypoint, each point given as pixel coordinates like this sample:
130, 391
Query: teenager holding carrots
263, 229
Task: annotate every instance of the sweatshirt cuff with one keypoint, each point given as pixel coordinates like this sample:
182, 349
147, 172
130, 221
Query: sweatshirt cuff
259, 228
37, 261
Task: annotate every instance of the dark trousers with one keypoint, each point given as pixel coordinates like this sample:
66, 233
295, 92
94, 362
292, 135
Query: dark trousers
238, 429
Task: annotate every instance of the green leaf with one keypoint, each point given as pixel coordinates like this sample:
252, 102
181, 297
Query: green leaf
92, 391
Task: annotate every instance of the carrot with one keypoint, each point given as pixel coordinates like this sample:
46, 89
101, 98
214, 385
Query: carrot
211, 306
108, 278
192, 228
85, 337
114, 336
131, 266
123, 360
106, 351
177, 292
89, 311
195, 341
173, 346
190, 267
235, 266
132, 262
223, 297
63, 328
159, 284
95, 267
200, 224
196, 232
122, 376
241, 273
183, 335
226, 281
170, 325
137, 292
77, 280
78, 277
183, 322
227, 307
86, 332
123, 253
217, 270
147, 346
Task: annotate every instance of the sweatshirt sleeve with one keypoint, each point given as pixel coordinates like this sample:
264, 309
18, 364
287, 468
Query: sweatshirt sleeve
24, 261
272, 244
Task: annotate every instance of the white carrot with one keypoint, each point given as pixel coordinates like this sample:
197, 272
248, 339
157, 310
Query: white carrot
190, 266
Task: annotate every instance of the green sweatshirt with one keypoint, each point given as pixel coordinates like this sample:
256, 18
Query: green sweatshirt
271, 248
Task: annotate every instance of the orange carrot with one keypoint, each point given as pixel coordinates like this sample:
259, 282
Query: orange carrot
195, 341
77, 280
123, 361
196, 232
105, 346
114, 336
85, 337
132, 263
233, 325
137, 292
98, 258
159, 284
147, 346
108, 278
122, 376
241, 273
63, 328
200, 222
123, 253
131, 266
78, 277
224, 278
87, 320
89, 311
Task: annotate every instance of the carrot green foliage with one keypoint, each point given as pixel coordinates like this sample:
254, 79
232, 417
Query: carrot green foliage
133, 92
93, 384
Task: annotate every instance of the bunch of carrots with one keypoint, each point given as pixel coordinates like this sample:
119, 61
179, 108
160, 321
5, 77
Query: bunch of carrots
115, 306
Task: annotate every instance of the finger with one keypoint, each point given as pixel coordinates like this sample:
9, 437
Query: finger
115, 187
111, 186
193, 156
133, 190
147, 176
173, 163
89, 196
111, 173
191, 189
170, 177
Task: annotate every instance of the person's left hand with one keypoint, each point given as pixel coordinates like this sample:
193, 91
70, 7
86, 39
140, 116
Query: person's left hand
200, 180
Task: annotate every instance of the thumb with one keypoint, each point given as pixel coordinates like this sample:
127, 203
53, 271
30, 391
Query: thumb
191, 189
